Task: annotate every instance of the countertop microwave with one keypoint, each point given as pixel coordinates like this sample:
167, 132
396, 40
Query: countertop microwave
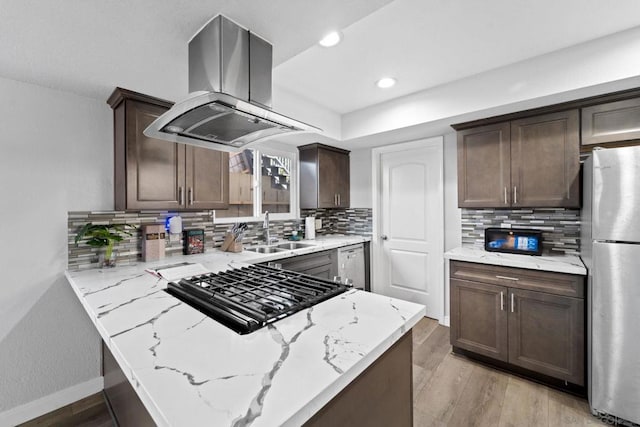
513, 240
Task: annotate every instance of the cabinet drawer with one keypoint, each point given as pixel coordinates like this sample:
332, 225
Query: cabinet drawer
520, 278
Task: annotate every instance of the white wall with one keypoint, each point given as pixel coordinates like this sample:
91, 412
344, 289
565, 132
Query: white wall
56, 156
360, 171
302, 109
599, 66
452, 214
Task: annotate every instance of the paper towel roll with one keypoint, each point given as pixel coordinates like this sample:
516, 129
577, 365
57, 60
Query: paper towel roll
310, 227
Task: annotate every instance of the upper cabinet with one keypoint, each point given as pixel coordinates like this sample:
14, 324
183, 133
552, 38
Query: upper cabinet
529, 162
611, 122
484, 166
324, 177
156, 174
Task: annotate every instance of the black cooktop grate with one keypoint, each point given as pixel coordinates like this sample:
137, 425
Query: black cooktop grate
248, 298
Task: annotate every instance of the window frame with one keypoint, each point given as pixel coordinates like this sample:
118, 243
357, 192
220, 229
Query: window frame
258, 212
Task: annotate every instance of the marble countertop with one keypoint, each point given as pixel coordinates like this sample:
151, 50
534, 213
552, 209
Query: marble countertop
189, 369
570, 264
321, 243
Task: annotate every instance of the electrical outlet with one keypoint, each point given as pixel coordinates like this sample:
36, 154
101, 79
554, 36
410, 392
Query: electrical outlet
318, 223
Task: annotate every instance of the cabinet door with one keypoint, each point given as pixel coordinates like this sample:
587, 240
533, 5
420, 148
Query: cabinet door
545, 161
610, 122
284, 199
269, 194
546, 334
235, 188
328, 178
484, 167
240, 189
154, 168
479, 319
207, 175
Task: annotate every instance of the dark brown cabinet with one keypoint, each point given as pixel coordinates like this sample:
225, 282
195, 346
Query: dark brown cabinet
611, 122
546, 334
484, 166
526, 318
529, 162
478, 322
155, 174
324, 177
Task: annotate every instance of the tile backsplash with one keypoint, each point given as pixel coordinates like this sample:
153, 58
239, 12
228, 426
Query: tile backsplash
342, 221
560, 227
129, 250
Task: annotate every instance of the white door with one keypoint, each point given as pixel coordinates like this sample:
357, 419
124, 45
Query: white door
408, 223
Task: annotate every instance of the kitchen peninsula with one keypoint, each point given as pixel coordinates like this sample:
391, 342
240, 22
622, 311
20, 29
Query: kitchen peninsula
188, 369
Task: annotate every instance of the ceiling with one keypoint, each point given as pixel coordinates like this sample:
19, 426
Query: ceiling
90, 46
426, 43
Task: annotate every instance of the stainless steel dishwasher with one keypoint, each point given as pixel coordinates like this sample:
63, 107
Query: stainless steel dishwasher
351, 264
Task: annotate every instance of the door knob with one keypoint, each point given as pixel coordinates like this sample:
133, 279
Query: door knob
384, 237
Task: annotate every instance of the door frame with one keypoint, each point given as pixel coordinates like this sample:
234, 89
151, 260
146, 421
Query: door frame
376, 188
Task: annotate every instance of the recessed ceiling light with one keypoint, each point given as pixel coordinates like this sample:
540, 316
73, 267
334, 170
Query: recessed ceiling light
386, 82
331, 39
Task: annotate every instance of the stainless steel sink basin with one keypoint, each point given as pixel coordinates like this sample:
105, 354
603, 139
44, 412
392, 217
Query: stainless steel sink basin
265, 249
293, 245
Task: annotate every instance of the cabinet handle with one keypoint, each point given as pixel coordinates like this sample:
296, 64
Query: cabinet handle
515, 195
339, 199
512, 302
505, 196
190, 196
180, 195
335, 200
501, 301
515, 279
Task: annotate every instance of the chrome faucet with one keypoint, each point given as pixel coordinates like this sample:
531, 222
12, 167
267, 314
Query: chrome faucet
265, 226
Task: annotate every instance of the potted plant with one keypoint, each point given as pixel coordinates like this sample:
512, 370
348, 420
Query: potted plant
104, 235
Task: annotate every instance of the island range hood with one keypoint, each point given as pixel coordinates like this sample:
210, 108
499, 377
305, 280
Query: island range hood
229, 105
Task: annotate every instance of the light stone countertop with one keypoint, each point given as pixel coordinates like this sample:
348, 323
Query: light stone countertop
189, 369
570, 264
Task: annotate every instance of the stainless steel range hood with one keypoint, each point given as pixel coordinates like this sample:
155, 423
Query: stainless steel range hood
229, 105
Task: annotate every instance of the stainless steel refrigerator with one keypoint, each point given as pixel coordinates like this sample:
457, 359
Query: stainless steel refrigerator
611, 251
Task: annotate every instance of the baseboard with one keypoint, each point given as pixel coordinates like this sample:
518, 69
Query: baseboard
46, 404
445, 321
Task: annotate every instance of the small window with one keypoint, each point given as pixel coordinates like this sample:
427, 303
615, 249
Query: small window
259, 181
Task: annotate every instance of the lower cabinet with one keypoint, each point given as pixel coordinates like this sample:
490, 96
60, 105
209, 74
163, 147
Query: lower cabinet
527, 318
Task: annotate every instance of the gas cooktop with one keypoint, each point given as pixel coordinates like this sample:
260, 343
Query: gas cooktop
249, 298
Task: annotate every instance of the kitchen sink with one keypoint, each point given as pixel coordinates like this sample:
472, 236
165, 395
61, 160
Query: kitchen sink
293, 245
265, 249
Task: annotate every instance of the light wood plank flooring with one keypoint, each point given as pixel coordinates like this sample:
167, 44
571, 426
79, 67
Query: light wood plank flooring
448, 390
451, 390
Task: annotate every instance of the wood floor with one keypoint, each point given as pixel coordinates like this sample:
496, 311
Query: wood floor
89, 412
448, 390
451, 390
